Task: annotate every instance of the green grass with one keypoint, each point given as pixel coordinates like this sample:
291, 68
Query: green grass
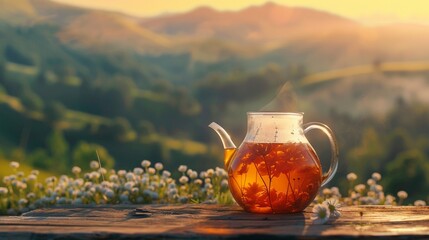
5, 170
186, 146
21, 69
404, 67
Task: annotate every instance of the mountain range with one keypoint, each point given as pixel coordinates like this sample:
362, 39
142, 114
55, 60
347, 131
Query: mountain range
270, 32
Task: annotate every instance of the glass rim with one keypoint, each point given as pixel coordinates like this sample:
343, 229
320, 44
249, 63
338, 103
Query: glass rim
270, 113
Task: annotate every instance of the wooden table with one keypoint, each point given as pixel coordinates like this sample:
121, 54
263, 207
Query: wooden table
196, 221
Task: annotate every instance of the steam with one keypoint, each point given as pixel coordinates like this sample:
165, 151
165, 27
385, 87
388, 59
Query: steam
284, 101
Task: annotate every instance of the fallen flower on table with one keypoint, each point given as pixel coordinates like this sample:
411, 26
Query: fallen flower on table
321, 213
334, 207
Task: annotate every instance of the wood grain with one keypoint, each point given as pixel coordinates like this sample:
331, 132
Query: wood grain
210, 221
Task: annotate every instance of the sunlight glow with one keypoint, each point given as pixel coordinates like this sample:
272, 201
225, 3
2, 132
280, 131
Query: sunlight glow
367, 11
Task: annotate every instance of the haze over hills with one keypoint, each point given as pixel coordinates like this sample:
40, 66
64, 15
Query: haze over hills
270, 32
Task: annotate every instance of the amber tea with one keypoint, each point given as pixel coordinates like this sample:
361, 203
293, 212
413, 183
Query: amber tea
275, 177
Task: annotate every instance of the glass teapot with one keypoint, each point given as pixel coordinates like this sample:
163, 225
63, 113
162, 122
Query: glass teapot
275, 169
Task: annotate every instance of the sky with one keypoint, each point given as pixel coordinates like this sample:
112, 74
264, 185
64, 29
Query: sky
366, 11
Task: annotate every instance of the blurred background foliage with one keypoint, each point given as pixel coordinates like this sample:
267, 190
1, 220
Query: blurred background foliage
73, 81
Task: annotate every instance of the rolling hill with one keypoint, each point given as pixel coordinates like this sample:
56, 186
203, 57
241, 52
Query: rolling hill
103, 30
267, 24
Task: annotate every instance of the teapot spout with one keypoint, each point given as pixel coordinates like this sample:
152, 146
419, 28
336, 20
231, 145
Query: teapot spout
224, 136
228, 144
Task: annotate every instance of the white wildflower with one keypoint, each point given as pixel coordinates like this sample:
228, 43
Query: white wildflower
145, 180
159, 166
3, 191
183, 199
129, 185
210, 172
35, 172
32, 178
102, 171
138, 171
198, 181
334, 207
224, 184
203, 174
94, 175
376, 176
121, 173
335, 191
14, 165
146, 163
320, 214
402, 194
22, 185
94, 165
182, 168
135, 191
193, 175
6, 180
220, 172
172, 191
151, 171
371, 194
389, 200
78, 182
378, 188
166, 174
113, 178
183, 179
370, 182
326, 191
130, 176
76, 170
162, 184
31, 195
419, 203
360, 188
22, 201
351, 177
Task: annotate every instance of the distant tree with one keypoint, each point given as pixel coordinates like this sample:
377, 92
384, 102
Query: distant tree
14, 55
162, 86
54, 112
85, 152
145, 128
119, 130
58, 149
409, 172
397, 142
365, 158
31, 101
183, 101
40, 159
2, 71
2, 89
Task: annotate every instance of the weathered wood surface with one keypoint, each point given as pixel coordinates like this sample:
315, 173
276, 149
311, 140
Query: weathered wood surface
195, 221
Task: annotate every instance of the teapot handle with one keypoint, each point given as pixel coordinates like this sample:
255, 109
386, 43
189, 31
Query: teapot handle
334, 148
